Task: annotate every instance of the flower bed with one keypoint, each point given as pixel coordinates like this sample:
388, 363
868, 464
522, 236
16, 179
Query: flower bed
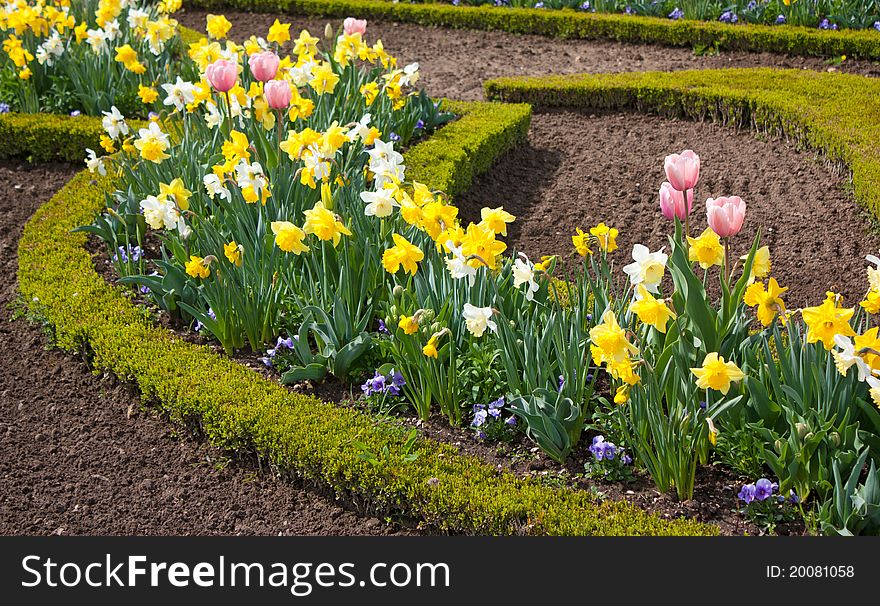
571, 24
237, 409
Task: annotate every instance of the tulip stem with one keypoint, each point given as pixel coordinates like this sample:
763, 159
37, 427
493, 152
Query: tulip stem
228, 115
279, 113
727, 260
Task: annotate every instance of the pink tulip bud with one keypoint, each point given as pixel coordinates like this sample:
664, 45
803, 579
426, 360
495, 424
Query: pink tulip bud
725, 215
354, 26
672, 202
277, 93
264, 65
682, 170
222, 75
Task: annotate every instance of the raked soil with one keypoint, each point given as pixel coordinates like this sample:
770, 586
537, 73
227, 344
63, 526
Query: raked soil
577, 170
80, 456
455, 62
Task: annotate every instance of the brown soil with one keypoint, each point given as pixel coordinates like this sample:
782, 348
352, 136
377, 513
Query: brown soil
454, 63
79, 455
578, 170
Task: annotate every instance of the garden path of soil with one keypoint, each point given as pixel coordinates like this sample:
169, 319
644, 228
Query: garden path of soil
577, 170
455, 62
78, 455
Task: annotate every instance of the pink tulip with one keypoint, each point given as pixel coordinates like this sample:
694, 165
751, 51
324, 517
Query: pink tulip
222, 75
354, 26
672, 202
682, 170
277, 93
725, 215
264, 65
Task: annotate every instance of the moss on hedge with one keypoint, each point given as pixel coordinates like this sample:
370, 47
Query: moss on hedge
592, 26
237, 409
831, 112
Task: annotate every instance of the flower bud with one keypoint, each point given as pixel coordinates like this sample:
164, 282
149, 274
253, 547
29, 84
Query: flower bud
835, 439
397, 292
808, 437
328, 32
802, 430
427, 315
393, 310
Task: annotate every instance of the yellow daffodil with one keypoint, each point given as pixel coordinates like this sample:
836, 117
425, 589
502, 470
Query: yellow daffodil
605, 236
871, 304
279, 33
177, 191
581, 242
827, 320
324, 224
402, 254
147, 94
408, 324
608, 341
706, 249
218, 26
232, 251
306, 44
768, 302
651, 311
197, 267
107, 144
497, 219
621, 396
623, 370
436, 217
370, 91
761, 265
717, 374
289, 237
867, 346
479, 246
324, 79
236, 147
430, 348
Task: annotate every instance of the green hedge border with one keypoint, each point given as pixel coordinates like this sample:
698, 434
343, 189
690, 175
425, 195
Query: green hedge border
837, 114
793, 40
239, 410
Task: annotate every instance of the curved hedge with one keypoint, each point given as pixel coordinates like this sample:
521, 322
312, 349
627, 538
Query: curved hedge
567, 23
831, 112
238, 409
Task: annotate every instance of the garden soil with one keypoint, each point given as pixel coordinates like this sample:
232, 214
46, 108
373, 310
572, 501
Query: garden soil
79, 455
454, 63
577, 170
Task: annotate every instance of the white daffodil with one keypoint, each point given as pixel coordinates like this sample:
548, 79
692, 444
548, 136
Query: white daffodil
213, 117
302, 74
179, 94
183, 229
214, 186
524, 273
845, 357
250, 175
97, 40
379, 203
647, 267
94, 163
874, 385
111, 30
159, 213
874, 272
361, 129
137, 18
114, 123
478, 319
410, 75
458, 266
385, 163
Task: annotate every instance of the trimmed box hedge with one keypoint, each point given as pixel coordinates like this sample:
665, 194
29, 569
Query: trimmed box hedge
567, 23
237, 409
837, 114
